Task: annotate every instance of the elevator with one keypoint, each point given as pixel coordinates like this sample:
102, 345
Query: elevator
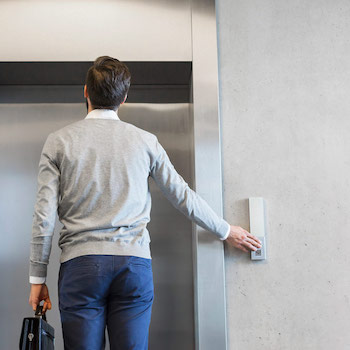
177, 100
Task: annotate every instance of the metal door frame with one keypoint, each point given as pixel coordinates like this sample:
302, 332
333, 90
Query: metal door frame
208, 251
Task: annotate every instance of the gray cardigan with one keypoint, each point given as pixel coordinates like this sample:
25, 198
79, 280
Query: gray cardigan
94, 174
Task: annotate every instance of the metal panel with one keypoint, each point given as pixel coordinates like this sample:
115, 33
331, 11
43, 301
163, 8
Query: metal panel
73, 73
209, 267
74, 94
172, 325
62, 82
23, 130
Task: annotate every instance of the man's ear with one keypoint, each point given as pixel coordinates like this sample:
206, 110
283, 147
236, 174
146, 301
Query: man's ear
125, 98
85, 91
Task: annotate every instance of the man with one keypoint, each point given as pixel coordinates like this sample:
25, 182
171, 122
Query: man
94, 172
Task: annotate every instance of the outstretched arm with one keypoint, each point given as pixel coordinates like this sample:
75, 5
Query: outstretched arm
182, 197
192, 205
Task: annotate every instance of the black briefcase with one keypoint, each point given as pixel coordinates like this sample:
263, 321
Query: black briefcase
36, 333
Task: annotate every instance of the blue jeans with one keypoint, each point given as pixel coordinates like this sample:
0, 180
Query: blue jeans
95, 291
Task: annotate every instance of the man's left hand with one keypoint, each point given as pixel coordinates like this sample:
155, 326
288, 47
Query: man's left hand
39, 292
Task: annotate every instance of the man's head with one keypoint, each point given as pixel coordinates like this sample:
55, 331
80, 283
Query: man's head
107, 83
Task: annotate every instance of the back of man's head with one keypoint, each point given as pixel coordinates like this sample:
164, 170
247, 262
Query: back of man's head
107, 83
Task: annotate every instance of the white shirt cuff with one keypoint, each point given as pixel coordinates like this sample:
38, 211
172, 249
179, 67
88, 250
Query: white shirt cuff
227, 233
37, 280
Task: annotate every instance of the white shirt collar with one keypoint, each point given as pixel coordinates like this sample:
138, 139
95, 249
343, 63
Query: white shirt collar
102, 114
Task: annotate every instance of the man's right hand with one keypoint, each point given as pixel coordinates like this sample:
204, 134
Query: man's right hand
39, 292
242, 239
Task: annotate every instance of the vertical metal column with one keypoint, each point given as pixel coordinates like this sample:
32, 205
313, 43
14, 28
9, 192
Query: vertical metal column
208, 251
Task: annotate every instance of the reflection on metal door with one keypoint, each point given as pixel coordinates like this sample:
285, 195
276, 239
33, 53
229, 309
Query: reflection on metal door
23, 130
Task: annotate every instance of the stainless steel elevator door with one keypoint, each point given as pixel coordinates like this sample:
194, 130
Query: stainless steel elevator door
23, 130
172, 324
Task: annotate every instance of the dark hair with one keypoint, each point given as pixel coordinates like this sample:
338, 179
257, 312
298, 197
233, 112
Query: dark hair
107, 82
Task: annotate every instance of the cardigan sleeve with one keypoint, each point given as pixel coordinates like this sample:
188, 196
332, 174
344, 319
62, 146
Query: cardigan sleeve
45, 209
182, 197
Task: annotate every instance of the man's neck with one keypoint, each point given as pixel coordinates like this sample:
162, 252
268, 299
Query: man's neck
90, 109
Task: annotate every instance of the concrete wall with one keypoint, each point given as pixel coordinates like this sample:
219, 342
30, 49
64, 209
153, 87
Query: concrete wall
284, 98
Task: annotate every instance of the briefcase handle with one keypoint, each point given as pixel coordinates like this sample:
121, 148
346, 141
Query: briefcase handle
39, 312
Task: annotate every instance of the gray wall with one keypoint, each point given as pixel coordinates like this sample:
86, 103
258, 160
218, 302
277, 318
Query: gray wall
284, 85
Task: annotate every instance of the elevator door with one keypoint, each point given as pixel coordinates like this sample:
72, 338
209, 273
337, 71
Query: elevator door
23, 130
